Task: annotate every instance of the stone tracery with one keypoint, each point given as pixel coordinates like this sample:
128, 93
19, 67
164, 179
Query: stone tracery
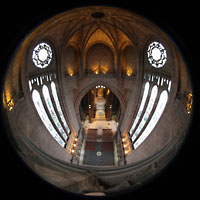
124, 67
42, 55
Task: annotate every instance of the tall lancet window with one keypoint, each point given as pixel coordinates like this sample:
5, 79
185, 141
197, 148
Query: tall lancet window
151, 108
50, 107
156, 116
55, 96
44, 117
146, 90
47, 102
148, 110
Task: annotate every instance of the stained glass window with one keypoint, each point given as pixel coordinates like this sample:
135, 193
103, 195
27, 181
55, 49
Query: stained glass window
42, 55
44, 117
157, 54
146, 90
30, 85
169, 86
51, 109
154, 120
148, 110
55, 96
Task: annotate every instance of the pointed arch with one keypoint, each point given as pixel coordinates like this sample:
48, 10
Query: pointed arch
111, 87
70, 60
98, 36
100, 59
129, 60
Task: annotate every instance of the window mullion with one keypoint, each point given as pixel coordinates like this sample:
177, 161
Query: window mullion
57, 113
143, 111
40, 108
58, 106
150, 116
50, 117
148, 110
160, 107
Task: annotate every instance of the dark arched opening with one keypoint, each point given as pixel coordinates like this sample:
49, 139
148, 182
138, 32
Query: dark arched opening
100, 104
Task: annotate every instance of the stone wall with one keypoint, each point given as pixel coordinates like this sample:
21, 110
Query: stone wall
25, 122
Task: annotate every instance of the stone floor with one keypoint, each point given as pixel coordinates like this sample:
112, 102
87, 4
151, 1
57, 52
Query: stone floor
98, 152
98, 157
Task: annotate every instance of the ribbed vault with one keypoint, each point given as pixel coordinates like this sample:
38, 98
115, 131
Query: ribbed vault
116, 51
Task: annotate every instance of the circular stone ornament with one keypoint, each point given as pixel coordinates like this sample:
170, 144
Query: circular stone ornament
42, 55
99, 153
36, 118
157, 54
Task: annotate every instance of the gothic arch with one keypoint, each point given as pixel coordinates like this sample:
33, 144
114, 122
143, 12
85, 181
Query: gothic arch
85, 90
129, 60
98, 36
70, 60
100, 59
28, 69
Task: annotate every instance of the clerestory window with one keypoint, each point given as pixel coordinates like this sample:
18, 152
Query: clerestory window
154, 97
148, 110
154, 120
51, 109
45, 95
44, 117
146, 90
55, 96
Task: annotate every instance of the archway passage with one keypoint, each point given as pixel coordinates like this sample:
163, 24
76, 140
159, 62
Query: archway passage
100, 113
